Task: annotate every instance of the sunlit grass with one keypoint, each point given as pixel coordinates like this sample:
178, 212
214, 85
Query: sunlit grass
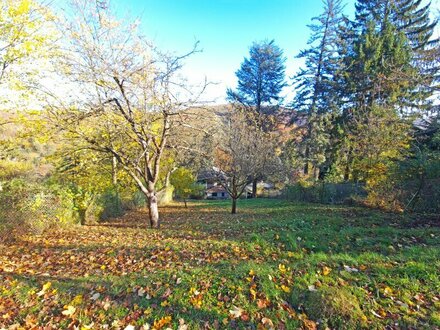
273, 264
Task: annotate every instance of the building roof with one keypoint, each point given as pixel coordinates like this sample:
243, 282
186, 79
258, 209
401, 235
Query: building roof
213, 174
215, 189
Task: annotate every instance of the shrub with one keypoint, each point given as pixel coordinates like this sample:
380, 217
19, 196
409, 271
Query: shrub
111, 204
323, 192
30, 207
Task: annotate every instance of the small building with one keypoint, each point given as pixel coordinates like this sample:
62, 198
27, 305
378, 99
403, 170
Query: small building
212, 178
216, 192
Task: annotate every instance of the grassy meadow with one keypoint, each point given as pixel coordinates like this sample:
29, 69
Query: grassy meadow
274, 265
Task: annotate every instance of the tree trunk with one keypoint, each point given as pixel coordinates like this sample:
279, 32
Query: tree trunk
82, 216
153, 210
234, 206
306, 165
316, 173
167, 178
347, 172
184, 200
114, 171
347, 169
254, 188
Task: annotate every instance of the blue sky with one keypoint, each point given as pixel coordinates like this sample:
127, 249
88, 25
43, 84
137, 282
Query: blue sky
225, 30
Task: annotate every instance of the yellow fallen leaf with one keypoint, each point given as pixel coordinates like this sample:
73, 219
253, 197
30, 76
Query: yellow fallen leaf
285, 288
69, 311
283, 269
388, 290
77, 300
46, 287
253, 293
326, 270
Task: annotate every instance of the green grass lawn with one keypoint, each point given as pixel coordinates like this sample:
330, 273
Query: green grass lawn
275, 265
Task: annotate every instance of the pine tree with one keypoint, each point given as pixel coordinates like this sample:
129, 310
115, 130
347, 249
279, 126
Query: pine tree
261, 77
410, 17
381, 70
387, 63
379, 80
315, 84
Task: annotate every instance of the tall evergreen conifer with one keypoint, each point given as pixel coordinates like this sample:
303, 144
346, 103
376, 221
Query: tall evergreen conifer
316, 89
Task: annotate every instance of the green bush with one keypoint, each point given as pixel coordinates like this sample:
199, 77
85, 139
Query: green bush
111, 204
323, 192
30, 207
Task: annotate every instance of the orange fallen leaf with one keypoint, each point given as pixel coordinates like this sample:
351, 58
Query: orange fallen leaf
263, 303
159, 324
309, 324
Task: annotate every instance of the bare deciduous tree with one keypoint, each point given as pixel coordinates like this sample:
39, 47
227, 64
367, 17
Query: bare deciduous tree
243, 150
125, 98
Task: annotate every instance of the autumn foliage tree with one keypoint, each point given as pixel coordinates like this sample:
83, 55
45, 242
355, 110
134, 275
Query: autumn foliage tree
184, 183
121, 81
28, 40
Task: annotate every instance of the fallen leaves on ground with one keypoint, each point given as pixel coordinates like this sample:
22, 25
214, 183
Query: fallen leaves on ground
210, 270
